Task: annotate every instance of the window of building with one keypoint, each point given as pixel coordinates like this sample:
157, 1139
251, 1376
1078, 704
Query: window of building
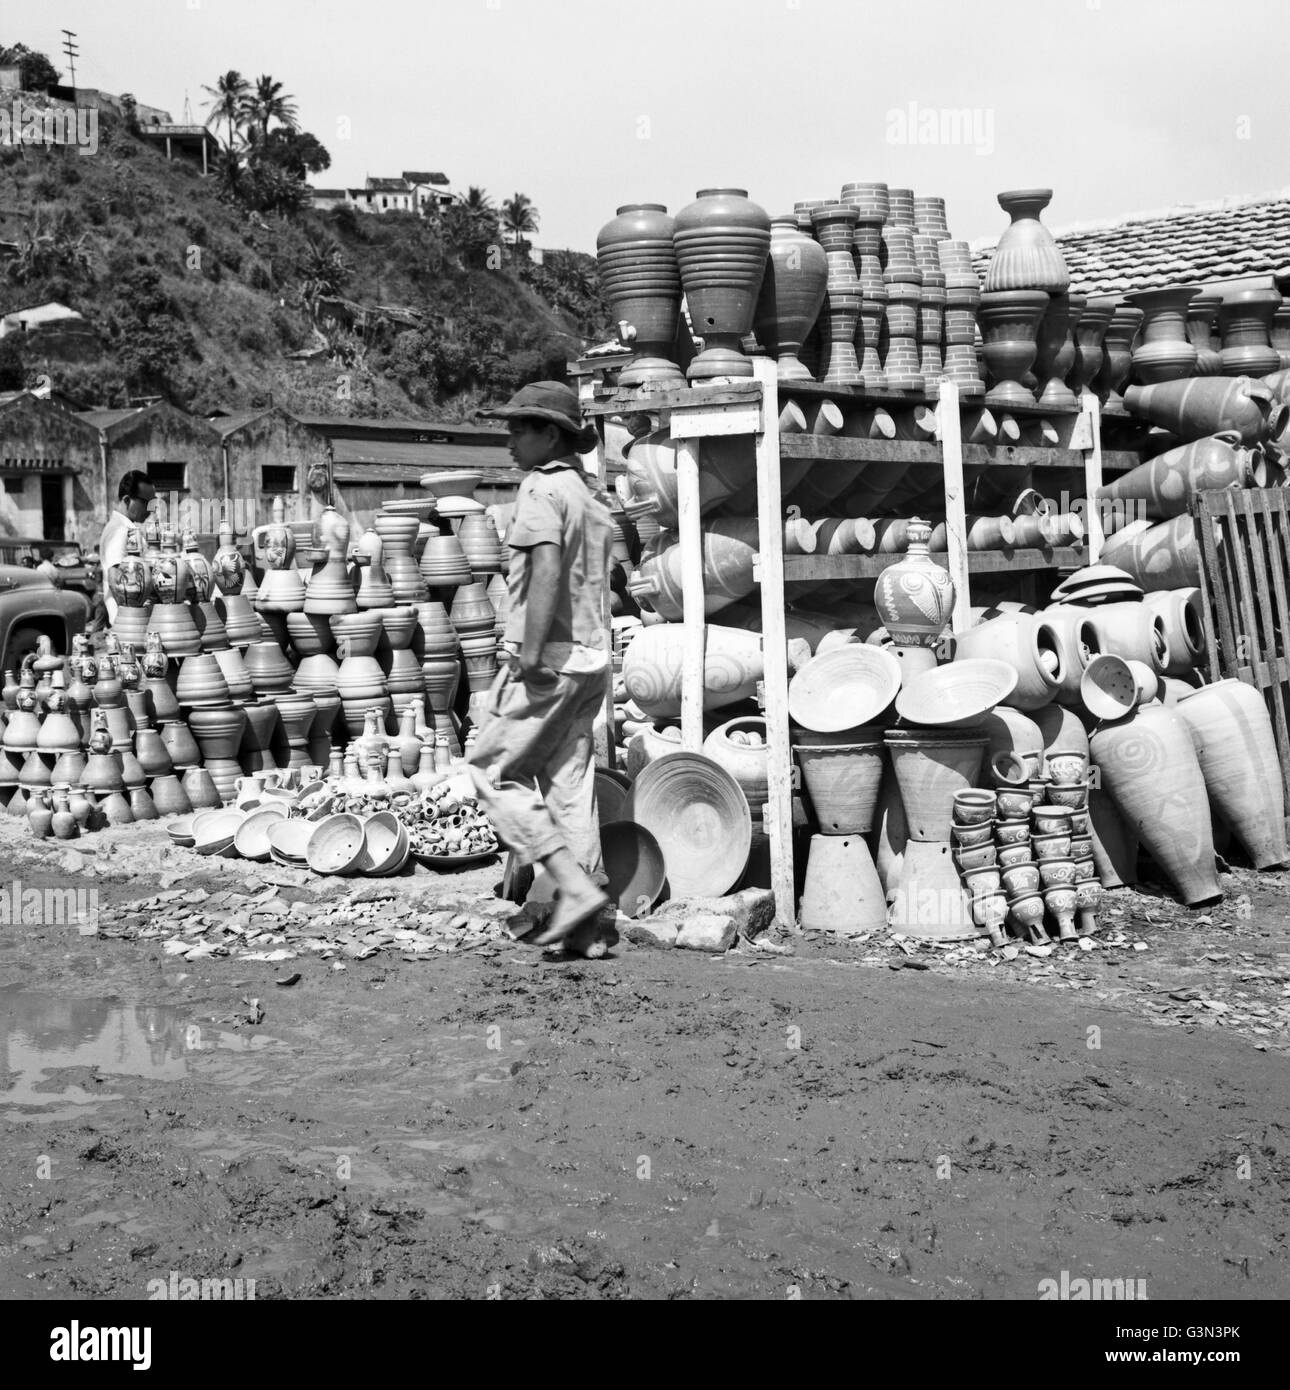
168, 477
277, 478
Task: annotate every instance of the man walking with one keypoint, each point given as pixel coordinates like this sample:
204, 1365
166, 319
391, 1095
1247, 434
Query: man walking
541, 709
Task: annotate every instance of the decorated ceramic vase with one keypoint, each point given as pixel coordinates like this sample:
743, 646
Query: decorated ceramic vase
915, 595
1027, 257
282, 589
1202, 406
722, 243
640, 279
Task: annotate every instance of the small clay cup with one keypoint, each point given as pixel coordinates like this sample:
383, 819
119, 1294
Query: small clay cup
1051, 846
1057, 873
973, 807
979, 857
969, 836
1015, 854
1014, 804
1021, 879
1011, 832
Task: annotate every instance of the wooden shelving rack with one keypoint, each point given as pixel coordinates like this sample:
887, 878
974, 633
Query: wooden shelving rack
753, 408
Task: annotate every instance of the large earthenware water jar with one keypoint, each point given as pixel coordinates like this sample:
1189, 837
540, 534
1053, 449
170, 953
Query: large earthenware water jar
792, 295
722, 242
1200, 406
1148, 763
1164, 352
1245, 321
914, 598
1055, 351
1117, 357
1201, 315
641, 281
397, 534
1009, 320
1027, 257
1232, 734
262, 723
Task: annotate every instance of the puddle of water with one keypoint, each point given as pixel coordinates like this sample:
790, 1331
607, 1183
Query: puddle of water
41, 1033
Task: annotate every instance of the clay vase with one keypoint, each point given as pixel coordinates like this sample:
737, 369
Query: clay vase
792, 295
1117, 357
842, 893
1025, 642
1201, 313
262, 723
834, 224
329, 590
1204, 406
1054, 351
218, 732
442, 676
479, 655
1162, 486
1009, 320
436, 636
63, 824
142, 806
477, 536
1245, 321
68, 767
471, 613
1182, 620
1027, 257
151, 751
499, 596
297, 713
640, 280
200, 790
930, 771
269, 669
201, 683
652, 668
40, 814
1164, 352
443, 564
915, 595
722, 243
10, 691
1089, 332
1163, 556
1148, 764
179, 743
1232, 734
843, 782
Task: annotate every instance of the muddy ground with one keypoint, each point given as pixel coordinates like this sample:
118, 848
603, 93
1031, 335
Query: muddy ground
835, 1119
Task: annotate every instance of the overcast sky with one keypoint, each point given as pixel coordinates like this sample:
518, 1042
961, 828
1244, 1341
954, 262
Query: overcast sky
1119, 105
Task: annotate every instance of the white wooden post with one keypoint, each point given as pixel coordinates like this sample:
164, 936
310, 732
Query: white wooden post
1096, 537
949, 430
694, 638
778, 816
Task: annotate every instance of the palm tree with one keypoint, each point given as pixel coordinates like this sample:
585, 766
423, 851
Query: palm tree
270, 103
228, 102
477, 200
519, 216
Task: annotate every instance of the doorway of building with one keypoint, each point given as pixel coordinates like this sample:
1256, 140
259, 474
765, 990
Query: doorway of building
51, 508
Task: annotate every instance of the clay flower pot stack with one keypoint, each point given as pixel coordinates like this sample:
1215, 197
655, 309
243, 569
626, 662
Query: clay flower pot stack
360, 682
834, 227
872, 204
403, 678
440, 667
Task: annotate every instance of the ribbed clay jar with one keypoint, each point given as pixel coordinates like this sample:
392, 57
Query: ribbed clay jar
1027, 257
640, 278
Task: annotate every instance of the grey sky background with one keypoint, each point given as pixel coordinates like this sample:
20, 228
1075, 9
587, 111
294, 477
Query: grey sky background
1120, 106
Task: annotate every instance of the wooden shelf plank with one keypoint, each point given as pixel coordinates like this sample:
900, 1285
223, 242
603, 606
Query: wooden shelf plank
822, 567
686, 398
839, 449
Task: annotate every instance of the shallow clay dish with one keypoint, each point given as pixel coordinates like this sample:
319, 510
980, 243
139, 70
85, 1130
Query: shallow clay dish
336, 845
451, 482
844, 688
958, 695
635, 865
289, 841
180, 830
215, 835
252, 838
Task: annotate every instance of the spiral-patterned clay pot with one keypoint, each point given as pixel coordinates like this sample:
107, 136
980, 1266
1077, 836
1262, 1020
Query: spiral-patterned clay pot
653, 663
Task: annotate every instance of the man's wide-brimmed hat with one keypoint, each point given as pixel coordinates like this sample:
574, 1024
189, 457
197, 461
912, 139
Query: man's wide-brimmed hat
543, 400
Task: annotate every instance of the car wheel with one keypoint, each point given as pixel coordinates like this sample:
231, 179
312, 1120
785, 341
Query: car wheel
21, 641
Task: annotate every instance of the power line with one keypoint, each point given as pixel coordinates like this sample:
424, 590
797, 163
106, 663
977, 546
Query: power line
70, 48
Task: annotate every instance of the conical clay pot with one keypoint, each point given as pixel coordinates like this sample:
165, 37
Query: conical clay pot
1148, 764
930, 772
843, 782
1232, 735
843, 894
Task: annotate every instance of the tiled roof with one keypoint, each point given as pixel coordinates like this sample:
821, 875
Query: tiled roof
1197, 243
416, 176
386, 185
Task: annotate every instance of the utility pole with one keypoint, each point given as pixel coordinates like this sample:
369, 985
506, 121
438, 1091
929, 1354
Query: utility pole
69, 47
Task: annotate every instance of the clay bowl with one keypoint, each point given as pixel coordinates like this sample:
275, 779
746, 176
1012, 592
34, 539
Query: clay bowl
983, 881
452, 507
1011, 832
385, 845
252, 838
451, 482
981, 857
216, 834
1013, 804
180, 830
1108, 688
958, 695
699, 815
289, 842
1073, 796
1057, 873
846, 687
1015, 854
1051, 820
973, 807
422, 510
1051, 846
969, 836
1081, 847
635, 865
198, 820
336, 845
1021, 879
1009, 770
1067, 768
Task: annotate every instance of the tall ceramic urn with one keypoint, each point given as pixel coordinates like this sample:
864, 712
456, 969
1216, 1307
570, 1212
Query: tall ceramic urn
640, 279
792, 295
1027, 257
722, 243
914, 598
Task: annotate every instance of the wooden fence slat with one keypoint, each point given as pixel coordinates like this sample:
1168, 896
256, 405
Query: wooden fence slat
1276, 676
1204, 525
1249, 618
1216, 563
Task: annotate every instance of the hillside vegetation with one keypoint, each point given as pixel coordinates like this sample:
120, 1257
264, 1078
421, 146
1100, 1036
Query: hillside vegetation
197, 298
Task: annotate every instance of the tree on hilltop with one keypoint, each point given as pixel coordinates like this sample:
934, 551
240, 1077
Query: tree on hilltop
268, 102
518, 217
35, 71
230, 97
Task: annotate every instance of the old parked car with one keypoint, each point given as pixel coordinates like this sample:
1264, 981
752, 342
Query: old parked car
31, 608
69, 561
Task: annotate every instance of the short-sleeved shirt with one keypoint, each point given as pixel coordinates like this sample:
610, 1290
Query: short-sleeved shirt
556, 505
